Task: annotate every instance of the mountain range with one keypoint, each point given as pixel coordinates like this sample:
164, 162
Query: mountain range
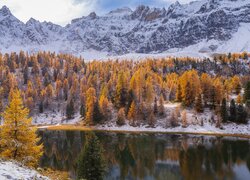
205, 26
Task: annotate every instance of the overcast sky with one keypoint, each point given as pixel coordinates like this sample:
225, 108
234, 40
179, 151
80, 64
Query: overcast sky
63, 11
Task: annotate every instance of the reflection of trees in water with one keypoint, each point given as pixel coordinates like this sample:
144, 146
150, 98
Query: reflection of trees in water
151, 156
215, 162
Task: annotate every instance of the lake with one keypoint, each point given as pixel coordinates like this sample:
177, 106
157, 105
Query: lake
153, 156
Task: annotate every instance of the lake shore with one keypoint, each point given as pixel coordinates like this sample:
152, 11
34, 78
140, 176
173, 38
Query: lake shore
192, 130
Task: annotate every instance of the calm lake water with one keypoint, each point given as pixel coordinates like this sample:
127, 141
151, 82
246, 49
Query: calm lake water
153, 156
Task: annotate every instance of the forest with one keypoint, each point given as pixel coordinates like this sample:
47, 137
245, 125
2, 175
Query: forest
132, 92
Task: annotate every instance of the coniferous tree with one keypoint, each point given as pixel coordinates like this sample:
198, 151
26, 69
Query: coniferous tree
121, 117
91, 164
18, 138
155, 106
121, 92
97, 114
161, 106
151, 119
104, 107
70, 110
187, 95
25, 75
131, 98
82, 110
90, 103
233, 111
132, 113
178, 93
223, 111
199, 104
241, 114
247, 94
213, 97
41, 107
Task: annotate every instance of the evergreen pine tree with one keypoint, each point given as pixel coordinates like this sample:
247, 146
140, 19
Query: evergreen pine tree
97, 114
241, 114
18, 138
233, 112
247, 94
70, 110
82, 110
91, 164
223, 111
41, 107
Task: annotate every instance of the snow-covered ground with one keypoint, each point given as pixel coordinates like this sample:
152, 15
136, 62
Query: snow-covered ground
96, 55
56, 118
15, 171
207, 128
203, 123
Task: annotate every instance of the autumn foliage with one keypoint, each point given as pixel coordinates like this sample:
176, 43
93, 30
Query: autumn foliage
18, 139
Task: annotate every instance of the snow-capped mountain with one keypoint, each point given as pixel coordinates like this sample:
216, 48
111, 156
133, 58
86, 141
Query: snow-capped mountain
202, 26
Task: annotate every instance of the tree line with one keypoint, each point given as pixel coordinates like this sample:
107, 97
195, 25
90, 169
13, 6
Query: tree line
133, 90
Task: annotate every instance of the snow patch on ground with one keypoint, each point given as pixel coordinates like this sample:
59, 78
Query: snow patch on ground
15, 171
56, 118
96, 55
207, 128
239, 42
204, 123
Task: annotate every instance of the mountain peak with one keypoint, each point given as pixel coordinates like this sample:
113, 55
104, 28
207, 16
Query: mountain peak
92, 15
5, 11
32, 20
123, 10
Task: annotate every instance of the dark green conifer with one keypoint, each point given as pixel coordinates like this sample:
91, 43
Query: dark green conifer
223, 111
97, 115
91, 164
70, 110
233, 113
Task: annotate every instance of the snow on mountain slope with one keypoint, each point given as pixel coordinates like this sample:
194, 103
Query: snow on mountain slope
240, 40
204, 26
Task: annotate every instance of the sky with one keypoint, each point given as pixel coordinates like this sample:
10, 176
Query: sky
63, 11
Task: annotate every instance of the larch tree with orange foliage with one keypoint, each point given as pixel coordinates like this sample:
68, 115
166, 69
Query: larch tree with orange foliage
18, 139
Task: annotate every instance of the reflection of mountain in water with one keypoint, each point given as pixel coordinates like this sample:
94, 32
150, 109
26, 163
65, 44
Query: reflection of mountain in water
152, 156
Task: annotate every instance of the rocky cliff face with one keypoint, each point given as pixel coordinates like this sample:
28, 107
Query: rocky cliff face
144, 30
